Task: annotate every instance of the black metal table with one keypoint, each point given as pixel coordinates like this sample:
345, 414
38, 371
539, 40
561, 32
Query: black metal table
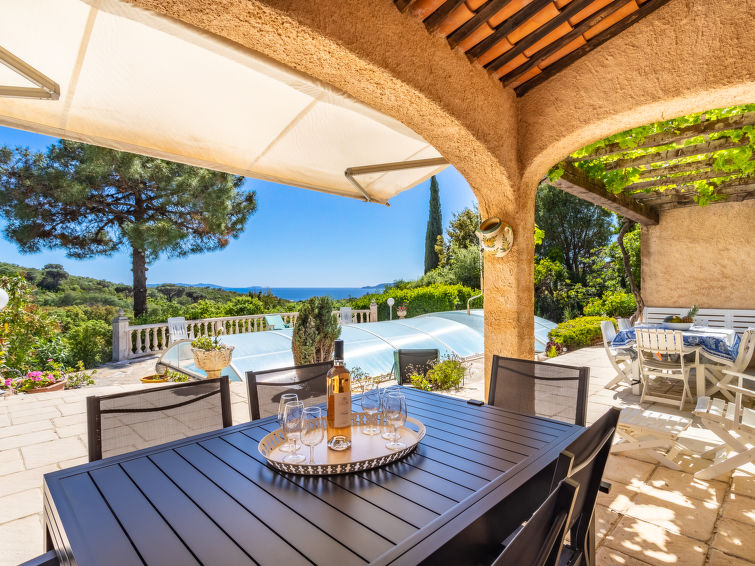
211, 499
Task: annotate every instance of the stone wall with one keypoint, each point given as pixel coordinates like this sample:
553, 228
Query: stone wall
701, 255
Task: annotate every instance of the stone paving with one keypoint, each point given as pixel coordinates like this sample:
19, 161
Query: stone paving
653, 515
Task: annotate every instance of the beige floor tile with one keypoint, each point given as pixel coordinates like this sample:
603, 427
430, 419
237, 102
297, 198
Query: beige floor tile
740, 508
15, 430
21, 504
43, 414
68, 409
692, 518
4, 420
72, 430
21, 540
605, 519
26, 479
718, 558
73, 462
621, 496
624, 470
10, 461
53, 452
688, 485
608, 556
27, 439
743, 483
69, 420
733, 537
654, 544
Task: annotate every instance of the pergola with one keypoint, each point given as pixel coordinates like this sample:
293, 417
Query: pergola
500, 89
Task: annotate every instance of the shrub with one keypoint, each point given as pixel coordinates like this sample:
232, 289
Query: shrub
579, 332
618, 304
315, 331
90, 342
421, 300
240, 306
442, 376
553, 349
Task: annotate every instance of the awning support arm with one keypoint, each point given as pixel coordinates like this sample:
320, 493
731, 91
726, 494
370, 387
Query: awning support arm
383, 167
48, 88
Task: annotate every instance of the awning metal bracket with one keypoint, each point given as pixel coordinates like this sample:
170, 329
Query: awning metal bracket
383, 167
46, 89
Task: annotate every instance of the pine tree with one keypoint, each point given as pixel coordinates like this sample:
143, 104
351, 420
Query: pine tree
434, 227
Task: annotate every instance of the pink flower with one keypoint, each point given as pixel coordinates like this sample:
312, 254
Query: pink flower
49, 359
8, 382
50, 376
34, 374
37, 378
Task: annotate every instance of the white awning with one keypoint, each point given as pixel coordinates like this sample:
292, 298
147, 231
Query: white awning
132, 80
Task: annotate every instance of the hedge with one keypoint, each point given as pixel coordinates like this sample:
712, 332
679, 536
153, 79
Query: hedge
421, 300
618, 304
579, 332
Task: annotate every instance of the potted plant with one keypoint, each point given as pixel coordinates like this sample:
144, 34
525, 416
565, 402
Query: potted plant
401, 310
211, 355
39, 381
165, 377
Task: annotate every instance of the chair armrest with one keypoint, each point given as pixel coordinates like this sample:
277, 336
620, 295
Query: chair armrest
725, 385
604, 487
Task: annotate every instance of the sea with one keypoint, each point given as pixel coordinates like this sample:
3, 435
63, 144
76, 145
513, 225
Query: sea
303, 293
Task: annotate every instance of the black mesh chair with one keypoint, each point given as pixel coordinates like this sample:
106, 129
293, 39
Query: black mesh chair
541, 389
541, 540
584, 462
409, 361
266, 387
130, 421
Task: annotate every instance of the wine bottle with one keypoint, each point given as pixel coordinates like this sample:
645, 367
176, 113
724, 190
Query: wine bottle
339, 402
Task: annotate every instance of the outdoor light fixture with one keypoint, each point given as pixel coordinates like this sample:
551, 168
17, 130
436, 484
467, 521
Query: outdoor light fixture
3, 299
495, 237
390, 302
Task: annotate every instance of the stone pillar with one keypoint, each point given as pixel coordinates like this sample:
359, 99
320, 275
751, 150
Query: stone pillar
121, 338
373, 311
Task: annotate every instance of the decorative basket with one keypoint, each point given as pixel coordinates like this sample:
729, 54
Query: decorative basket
212, 361
366, 452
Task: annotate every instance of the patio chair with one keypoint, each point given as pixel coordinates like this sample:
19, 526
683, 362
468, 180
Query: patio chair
661, 357
177, 329
275, 322
265, 387
541, 540
732, 422
584, 462
716, 371
408, 361
133, 420
653, 433
620, 358
538, 388
623, 324
346, 315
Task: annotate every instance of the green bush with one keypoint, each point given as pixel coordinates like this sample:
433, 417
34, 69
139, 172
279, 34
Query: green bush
617, 304
579, 332
444, 375
421, 300
89, 342
240, 306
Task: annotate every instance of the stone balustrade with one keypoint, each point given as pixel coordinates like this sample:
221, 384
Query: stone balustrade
134, 341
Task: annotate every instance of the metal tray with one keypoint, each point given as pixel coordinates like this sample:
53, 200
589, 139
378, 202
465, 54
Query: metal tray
366, 452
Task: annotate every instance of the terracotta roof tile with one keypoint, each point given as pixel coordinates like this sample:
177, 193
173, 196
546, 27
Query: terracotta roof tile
511, 65
591, 9
474, 4
455, 19
619, 14
560, 31
565, 50
542, 17
476, 37
524, 77
423, 8
507, 11
561, 3
499, 48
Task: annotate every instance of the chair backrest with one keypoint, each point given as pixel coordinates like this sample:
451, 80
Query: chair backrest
608, 331
736, 319
538, 388
541, 539
265, 387
746, 350
408, 361
623, 323
275, 322
659, 341
346, 315
133, 420
177, 329
584, 462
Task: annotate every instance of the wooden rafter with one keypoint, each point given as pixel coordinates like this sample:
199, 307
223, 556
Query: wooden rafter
671, 154
743, 184
435, 19
681, 180
676, 136
403, 5
576, 182
665, 169
507, 26
479, 19
645, 9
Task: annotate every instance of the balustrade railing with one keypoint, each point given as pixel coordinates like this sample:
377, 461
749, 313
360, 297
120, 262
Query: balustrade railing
133, 341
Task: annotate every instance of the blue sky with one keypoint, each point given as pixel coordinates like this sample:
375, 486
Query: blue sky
297, 238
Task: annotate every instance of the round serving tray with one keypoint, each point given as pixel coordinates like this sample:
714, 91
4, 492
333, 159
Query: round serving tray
366, 451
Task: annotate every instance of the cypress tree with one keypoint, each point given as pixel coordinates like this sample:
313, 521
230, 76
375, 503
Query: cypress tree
434, 227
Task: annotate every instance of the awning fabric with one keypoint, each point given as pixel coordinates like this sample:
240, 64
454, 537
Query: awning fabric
136, 81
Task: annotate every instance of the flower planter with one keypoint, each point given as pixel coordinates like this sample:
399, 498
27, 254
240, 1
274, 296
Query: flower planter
212, 361
59, 386
154, 379
401, 314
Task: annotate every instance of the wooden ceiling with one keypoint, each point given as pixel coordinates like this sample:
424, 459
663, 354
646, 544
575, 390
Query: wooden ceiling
524, 42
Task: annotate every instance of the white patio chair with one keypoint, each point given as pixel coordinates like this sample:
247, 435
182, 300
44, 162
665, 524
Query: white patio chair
620, 359
650, 431
177, 329
715, 371
623, 324
652, 346
347, 316
732, 422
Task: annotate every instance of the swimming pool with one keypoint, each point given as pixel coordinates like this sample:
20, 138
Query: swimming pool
369, 346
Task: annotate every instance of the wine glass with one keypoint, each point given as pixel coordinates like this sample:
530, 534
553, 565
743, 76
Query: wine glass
286, 398
312, 431
387, 432
292, 425
370, 407
394, 413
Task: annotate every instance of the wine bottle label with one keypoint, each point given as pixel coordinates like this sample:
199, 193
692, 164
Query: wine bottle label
341, 410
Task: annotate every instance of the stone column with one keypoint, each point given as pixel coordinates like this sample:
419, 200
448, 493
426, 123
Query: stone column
121, 338
373, 311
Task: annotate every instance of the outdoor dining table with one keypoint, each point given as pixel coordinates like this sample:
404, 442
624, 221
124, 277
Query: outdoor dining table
719, 345
212, 498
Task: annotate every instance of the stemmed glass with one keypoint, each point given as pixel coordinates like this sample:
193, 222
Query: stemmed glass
387, 433
312, 431
394, 413
371, 407
286, 398
292, 425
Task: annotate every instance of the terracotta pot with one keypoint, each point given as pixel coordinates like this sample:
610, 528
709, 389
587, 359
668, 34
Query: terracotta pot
212, 361
59, 386
151, 379
401, 314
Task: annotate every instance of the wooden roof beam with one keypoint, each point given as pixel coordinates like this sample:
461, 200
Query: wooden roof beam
576, 182
681, 180
504, 28
434, 20
728, 188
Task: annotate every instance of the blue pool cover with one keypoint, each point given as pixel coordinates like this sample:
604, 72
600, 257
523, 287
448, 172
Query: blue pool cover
369, 346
